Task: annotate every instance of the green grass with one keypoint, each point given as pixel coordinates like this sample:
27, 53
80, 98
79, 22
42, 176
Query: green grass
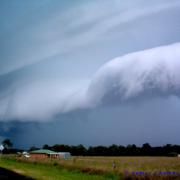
48, 171
127, 163
93, 168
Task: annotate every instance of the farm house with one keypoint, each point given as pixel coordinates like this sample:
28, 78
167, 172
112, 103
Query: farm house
45, 153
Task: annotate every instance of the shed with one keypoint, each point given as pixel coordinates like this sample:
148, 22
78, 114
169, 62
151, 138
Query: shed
64, 155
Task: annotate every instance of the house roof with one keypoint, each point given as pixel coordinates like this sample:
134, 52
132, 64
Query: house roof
43, 151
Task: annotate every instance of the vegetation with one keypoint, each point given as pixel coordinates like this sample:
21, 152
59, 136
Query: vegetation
100, 162
40, 171
115, 168
115, 150
7, 143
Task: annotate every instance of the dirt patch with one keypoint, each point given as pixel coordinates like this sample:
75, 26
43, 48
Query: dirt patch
19, 171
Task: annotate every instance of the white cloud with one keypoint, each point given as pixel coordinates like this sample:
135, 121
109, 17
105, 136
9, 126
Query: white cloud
146, 74
153, 72
41, 100
65, 31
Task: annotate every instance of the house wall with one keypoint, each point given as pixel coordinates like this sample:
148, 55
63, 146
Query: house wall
34, 155
54, 155
39, 155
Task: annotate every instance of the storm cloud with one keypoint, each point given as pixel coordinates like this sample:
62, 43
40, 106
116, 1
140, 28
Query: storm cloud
153, 72
132, 78
87, 68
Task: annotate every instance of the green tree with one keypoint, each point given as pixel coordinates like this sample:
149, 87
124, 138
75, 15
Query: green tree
33, 148
146, 149
46, 146
7, 143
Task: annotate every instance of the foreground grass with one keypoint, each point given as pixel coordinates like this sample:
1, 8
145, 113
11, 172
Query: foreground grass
95, 168
127, 163
46, 171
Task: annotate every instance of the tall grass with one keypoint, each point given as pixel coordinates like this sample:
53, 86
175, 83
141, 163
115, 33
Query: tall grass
150, 168
43, 170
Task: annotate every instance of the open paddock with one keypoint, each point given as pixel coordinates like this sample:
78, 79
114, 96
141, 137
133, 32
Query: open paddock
111, 167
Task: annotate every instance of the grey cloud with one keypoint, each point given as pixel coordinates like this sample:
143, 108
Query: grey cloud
150, 72
55, 34
50, 83
155, 121
140, 75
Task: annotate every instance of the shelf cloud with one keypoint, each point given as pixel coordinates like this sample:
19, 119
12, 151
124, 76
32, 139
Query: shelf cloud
153, 72
131, 78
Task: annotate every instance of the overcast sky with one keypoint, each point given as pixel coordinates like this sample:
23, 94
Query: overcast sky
92, 72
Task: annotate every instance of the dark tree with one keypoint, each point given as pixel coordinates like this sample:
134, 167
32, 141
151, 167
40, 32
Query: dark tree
113, 150
78, 150
146, 149
132, 150
46, 146
33, 148
7, 143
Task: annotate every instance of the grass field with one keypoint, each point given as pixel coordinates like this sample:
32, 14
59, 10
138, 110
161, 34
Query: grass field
95, 168
44, 170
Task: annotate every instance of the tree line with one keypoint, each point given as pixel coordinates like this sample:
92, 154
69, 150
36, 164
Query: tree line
117, 150
113, 150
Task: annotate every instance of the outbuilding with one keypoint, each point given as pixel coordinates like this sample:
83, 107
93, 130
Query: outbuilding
64, 155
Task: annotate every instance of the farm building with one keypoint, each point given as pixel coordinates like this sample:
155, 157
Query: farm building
64, 155
45, 153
